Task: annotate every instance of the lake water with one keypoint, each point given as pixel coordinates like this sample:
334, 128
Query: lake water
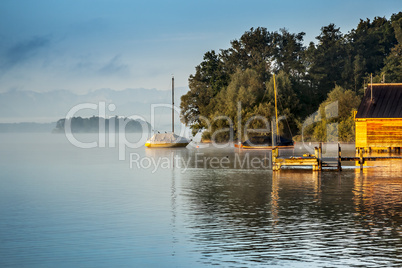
63, 206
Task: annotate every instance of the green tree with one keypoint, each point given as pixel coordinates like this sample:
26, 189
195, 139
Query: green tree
393, 65
287, 103
337, 109
254, 50
306, 76
370, 43
289, 52
246, 89
209, 79
327, 60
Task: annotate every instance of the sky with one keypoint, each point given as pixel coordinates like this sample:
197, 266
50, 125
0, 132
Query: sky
85, 45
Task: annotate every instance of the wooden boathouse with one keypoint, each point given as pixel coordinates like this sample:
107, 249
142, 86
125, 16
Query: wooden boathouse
378, 127
379, 118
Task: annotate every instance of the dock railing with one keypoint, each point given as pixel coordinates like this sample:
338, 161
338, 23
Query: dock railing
317, 161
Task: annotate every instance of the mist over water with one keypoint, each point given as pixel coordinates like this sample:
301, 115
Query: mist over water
62, 206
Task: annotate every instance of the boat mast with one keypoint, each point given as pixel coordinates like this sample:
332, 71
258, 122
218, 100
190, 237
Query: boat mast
172, 104
276, 111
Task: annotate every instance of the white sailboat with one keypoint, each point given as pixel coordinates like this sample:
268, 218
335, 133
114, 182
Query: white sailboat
167, 140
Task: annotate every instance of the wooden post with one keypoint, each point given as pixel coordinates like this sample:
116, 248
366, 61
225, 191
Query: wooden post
274, 155
272, 135
339, 157
320, 157
317, 156
361, 161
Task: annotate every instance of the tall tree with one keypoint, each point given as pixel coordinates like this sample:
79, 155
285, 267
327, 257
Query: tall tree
289, 52
245, 91
210, 77
287, 102
337, 122
393, 65
370, 43
254, 50
327, 60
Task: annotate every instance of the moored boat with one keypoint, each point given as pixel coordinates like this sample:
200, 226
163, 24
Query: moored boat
265, 142
167, 140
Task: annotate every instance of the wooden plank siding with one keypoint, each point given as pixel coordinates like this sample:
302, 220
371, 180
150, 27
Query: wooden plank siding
379, 117
379, 133
361, 134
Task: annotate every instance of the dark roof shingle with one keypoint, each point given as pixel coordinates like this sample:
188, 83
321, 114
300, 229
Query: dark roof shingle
387, 102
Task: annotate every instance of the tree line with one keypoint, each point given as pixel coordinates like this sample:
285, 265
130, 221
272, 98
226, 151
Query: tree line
97, 124
335, 68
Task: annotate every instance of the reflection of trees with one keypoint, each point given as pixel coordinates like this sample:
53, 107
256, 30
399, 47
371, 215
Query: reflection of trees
378, 199
378, 212
239, 212
289, 216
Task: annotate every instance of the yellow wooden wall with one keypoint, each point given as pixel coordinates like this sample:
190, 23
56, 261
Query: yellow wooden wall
379, 133
361, 134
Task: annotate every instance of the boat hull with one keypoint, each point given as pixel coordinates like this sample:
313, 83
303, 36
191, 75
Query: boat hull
263, 147
165, 145
265, 143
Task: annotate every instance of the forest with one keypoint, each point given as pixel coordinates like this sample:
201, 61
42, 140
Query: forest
92, 125
234, 85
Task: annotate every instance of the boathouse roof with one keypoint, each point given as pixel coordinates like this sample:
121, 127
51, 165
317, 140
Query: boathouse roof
384, 102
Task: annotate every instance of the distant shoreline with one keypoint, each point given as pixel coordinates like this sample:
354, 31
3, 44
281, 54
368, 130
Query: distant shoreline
27, 127
97, 124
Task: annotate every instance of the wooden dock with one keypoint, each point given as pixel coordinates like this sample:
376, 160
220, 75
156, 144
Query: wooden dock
317, 162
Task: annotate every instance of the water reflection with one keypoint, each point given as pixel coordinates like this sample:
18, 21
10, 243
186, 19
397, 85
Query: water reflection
294, 217
378, 200
174, 211
62, 206
241, 216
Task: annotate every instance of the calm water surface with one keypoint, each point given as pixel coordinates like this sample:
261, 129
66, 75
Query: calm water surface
62, 206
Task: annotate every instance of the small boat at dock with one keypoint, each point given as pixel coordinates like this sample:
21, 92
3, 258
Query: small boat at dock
265, 142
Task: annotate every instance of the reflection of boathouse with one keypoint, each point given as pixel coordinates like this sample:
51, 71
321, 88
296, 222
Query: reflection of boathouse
379, 117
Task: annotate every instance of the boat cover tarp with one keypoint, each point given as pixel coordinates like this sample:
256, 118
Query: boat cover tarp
167, 138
